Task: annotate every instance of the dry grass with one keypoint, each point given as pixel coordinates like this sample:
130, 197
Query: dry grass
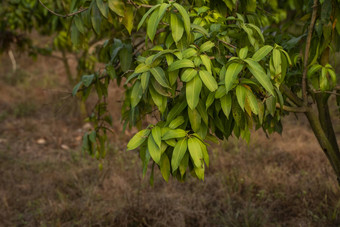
281, 181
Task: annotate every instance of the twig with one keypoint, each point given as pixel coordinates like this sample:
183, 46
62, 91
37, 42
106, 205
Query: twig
14, 62
308, 43
138, 5
228, 44
293, 109
62, 15
328, 92
284, 89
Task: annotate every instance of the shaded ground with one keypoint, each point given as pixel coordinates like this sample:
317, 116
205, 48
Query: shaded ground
45, 180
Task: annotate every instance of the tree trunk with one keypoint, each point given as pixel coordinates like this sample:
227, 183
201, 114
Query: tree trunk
330, 150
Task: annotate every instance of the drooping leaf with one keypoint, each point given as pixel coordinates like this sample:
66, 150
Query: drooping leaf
195, 119
208, 80
195, 151
226, 104
261, 76
185, 16
146, 15
178, 153
165, 167
174, 134
138, 139
159, 75
231, 74
177, 27
136, 94
241, 95
154, 150
184, 63
193, 90
117, 6
157, 136
128, 18
262, 52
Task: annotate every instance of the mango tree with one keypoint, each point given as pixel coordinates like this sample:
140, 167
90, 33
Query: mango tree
208, 70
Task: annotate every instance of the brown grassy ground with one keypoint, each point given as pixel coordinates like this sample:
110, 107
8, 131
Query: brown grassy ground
281, 181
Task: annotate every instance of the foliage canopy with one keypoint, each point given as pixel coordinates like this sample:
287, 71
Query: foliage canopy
204, 69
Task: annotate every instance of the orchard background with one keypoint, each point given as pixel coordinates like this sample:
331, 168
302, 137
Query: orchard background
47, 177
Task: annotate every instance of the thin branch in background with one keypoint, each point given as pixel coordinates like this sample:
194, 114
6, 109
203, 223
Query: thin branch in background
228, 44
307, 49
327, 92
62, 15
138, 5
14, 62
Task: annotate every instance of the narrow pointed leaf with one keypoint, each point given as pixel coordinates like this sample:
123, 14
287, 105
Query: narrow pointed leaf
138, 139
178, 153
262, 52
185, 16
184, 63
208, 80
195, 151
231, 75
193, 90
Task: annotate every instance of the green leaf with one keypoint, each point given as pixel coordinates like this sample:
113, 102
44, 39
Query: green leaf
312, 70
261, 76
208, 80
175, 111
136, 94
206, 62
193, 90
188, 75
243, 52
146, 15
258, 30
252, 100
220, 92
117, 6
141, 68
79, 24
76, 88
155, 151
206, 46
145, 77
177, 122
177, 28
156, 134
154, 20
185, 17
87, 79
188, 53
226, 105
195, 119
102, 7
184, 63
231, 75
241, 95
195, 151
184, 164
200, 29
262, 52
165, 167
210, 100
277, 61
128, 18
157, 98
204, 152
96, 19
125, 57
271, 105
159, 75
178, 153
174, 134
138, 139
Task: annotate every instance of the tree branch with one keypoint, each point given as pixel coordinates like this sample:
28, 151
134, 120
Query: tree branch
293, 109
61, 15
308, 43
297, 101
228, 44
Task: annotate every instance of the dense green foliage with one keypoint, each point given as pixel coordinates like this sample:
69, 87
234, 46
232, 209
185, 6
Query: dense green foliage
205, 70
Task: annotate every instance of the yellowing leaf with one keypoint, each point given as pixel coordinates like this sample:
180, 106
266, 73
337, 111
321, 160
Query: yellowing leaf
138, 139
178, 153
208, 80
193, 90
